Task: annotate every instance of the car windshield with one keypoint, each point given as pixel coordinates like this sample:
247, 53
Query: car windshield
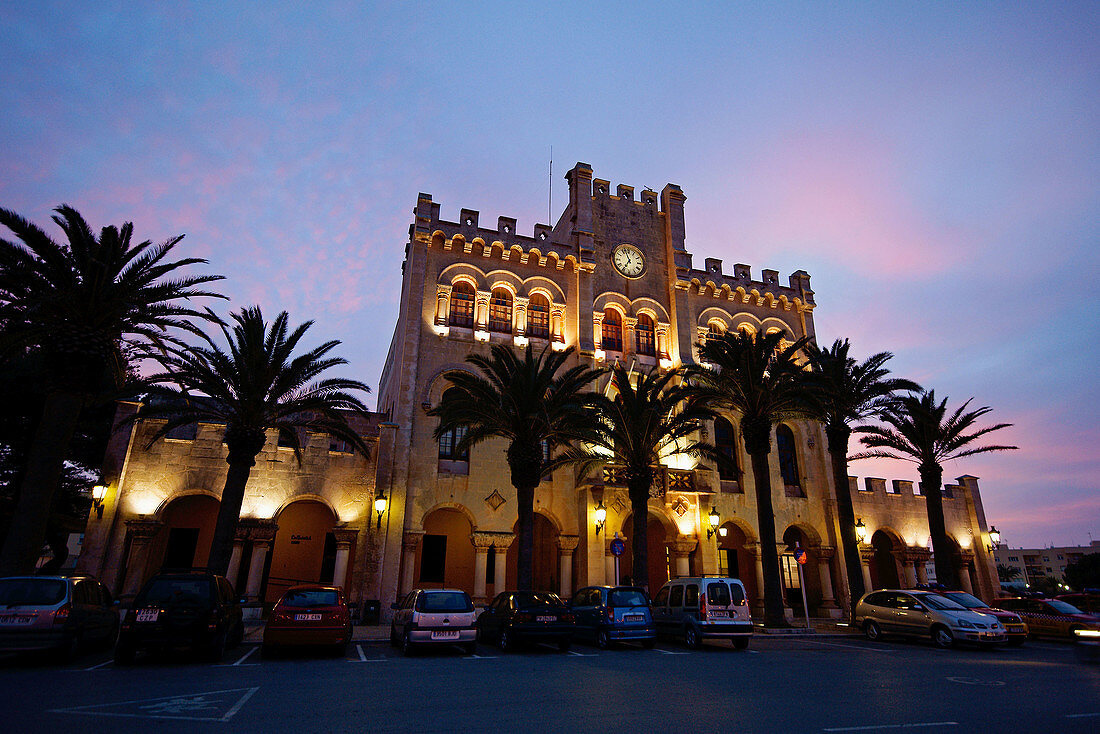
628, 598
1064, 607
967, 600
31, 592
444, 601
537, 599
175, 592
941, 602
311, 598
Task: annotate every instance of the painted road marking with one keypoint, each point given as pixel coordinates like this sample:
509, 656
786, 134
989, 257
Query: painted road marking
670, 652
1081, 716
924, 724
974, 681
849, 647
205, 706
245, 656
100, 665
479, 657
362, 657
582, 655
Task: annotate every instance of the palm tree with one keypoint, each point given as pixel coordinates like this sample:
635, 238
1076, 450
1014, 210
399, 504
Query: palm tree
919, 430
644, 423
525, 401
84, 305
759, 377
258, 384
1007, 573
845, 392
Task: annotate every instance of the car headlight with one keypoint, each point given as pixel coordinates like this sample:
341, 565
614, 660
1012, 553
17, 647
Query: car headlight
964, 624
1087, 634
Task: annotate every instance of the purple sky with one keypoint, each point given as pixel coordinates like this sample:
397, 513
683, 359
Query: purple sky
936, 170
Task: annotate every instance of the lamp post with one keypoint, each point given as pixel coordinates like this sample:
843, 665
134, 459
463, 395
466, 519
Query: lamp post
99, 492
861, 531
380, 503
994, 538
601, 516
713, 518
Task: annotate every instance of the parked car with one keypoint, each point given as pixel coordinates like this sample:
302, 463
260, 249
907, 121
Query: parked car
610, 614
1088, 601
1050, 616
309, 615
514, 617
703, 608
58, 613
925, 614
1015, 629
195, 610
434, 616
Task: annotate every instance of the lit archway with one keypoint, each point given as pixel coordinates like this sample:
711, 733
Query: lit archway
305, 547
189, 521
546, 569
659, 558
735, 560
884, 565
446, 557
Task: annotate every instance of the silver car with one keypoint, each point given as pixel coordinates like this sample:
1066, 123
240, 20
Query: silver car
925, 614
434, 616
55, 613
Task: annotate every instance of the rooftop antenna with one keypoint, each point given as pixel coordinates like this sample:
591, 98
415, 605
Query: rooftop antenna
550, 202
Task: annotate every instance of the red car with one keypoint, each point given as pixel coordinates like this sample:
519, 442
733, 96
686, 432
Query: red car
1015, 629
309, 615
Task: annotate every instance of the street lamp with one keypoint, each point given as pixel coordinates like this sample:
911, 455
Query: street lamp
99, 492
714, 518
601, 516
994, 538
380, 503
861, 531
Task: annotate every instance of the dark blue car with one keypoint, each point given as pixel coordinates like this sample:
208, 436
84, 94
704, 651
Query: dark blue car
609, 614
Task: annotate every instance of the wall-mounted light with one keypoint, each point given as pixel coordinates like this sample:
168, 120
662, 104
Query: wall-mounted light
994, 538
380, 503
861, 531
99, 493
601, 516
713, 518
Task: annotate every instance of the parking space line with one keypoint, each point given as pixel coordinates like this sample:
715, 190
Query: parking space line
582, 655
850, 647
100, 665
245, 656
1082, 716
878, 727
479, 657
670, 652
362, 657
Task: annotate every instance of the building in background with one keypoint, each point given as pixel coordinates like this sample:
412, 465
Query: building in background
1039, 563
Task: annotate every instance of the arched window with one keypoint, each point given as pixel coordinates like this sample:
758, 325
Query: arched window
725, 440
788, 461
714, 333
449, 441
644, 340
612, 330
538, 317
500, 311
462, 305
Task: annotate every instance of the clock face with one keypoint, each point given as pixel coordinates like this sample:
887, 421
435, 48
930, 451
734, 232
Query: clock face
628, 260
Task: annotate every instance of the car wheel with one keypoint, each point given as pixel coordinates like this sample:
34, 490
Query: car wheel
124, 654
505, 641
70, 648
649, 644
563, 645
406, 645
872, 631
602, 640
741, 643
691, 638
942, 637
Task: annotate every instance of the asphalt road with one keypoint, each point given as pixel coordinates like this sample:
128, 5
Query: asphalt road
819, 684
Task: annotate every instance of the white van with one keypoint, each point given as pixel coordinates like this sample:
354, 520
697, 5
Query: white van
703, 608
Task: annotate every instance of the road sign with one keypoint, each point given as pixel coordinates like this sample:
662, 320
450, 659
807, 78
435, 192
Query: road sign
617, 547
800, 555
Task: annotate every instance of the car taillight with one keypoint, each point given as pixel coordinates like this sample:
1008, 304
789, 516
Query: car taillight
611, 614
523, 617
702, 607
61, 616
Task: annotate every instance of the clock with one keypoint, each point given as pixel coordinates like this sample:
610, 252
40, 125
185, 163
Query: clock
628, 260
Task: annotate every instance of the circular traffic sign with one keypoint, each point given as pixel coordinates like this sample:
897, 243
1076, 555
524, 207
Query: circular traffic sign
800, 556
617, 547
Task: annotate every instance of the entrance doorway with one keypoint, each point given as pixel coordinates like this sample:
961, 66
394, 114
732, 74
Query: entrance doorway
305, 531
884, 566
446, 555
189, 529
734, 559
546, 569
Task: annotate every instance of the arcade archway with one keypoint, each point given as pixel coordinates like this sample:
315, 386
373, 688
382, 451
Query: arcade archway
546, 569
305, 547
735, 559
884, 564
446, 556
659, 558
188, 530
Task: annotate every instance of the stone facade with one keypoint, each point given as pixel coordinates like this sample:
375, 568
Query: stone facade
451, 519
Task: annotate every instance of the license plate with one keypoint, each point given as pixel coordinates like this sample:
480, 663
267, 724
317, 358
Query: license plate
546, 619
445, 635
148, 615
633, 617
724, 615
307, 617
17, 619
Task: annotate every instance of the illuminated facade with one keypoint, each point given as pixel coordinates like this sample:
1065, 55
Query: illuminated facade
614, 279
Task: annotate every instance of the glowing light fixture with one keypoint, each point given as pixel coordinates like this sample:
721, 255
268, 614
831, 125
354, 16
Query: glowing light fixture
99, 492
994, 538
714, 519
601, 516
861, 531
380, 503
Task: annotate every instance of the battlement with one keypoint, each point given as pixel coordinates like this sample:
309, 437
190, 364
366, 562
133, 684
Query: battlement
740, 286
904, 488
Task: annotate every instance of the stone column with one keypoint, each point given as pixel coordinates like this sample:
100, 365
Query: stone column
501, 541
481, 309
482, 543
409, 543
758, 602
662, 340
344, 538
442, 304
141, 533
964, 572
681, 548
908, 571
920, 557
256, 569
567, 544
557, 323
630, 323
866, 555
824, 556
235, 559
519, 315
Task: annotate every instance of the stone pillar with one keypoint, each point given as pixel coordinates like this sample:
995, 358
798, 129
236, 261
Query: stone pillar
630, 323
597, 331
481, 309
662, 340
866, 555
235, 559
256, 569
409, 543
909, 573
141, 533
344, 538
964, 572
824, 556
920, 557
557, 323
519, 315
501, 541
758, 563
681, 548
442, 304
567, 544
482, 543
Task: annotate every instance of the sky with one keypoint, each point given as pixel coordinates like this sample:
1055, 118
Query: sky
934, 167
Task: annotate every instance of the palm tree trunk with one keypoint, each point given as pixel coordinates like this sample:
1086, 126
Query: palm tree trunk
44, 465
758, 445
838, 452
639, 544
525, 498
931, 477
229, 514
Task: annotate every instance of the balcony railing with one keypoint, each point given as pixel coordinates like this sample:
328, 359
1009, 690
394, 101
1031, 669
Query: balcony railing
666, 480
